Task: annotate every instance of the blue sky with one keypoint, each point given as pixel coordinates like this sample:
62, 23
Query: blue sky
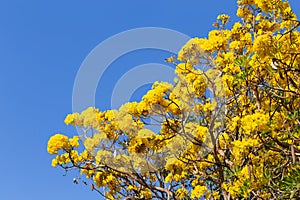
42, 46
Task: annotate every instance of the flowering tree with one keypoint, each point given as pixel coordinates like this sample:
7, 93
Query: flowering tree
227, 128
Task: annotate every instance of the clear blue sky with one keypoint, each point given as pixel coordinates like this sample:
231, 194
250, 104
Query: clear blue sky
42, 45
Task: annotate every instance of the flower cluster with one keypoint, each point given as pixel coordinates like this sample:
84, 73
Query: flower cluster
228, 127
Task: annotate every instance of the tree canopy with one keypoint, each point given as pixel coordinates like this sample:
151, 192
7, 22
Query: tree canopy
228, 127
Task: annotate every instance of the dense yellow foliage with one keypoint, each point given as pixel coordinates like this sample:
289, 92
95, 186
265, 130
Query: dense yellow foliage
239, 140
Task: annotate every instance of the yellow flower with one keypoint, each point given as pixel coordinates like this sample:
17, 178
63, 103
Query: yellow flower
198, 191
56, 143
224, 18
69, 119
181, 192
74, 141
